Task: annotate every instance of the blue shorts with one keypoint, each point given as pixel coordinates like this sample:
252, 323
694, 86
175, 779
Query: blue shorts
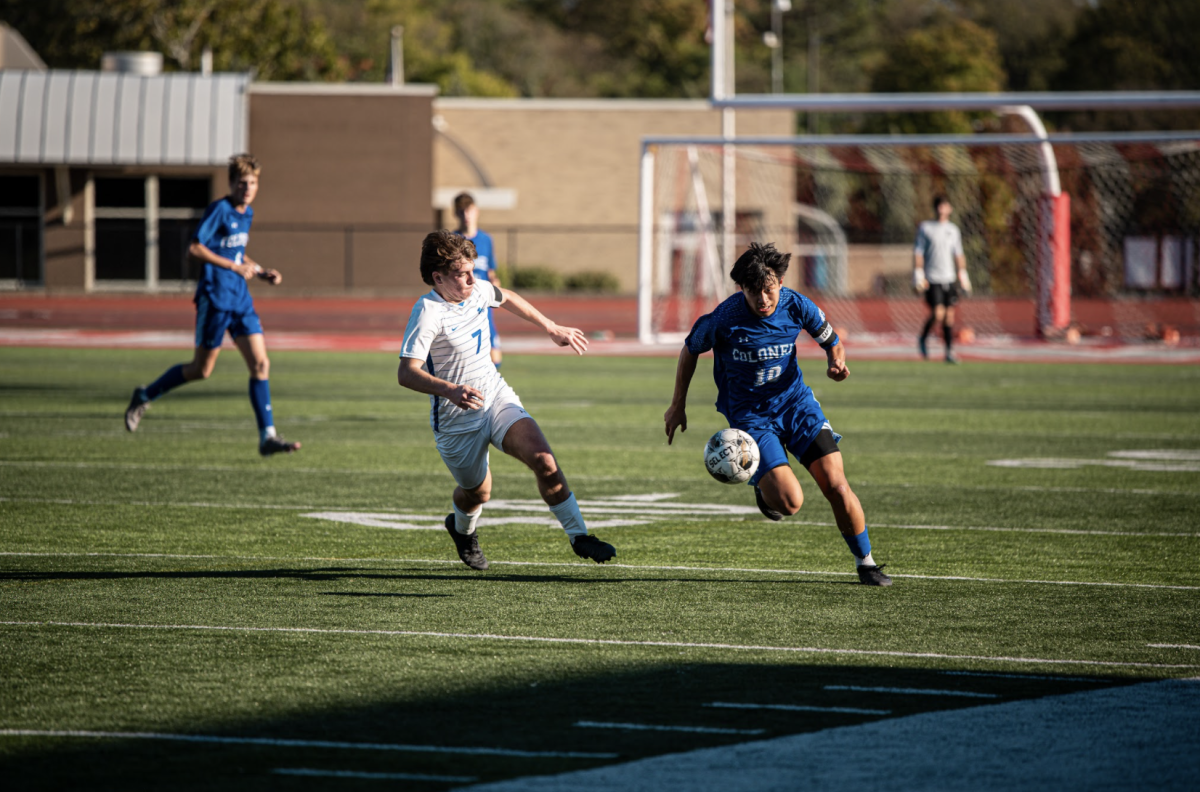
211, 323
793, 430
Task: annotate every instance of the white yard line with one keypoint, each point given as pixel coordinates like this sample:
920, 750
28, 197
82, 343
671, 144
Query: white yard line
309, 773
652, 727
578, 565
1173, 646
798, 708
657, 512
287, 743
598, 642
912, 691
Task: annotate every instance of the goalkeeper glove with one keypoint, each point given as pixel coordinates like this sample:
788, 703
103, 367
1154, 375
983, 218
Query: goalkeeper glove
919, 282
964, 280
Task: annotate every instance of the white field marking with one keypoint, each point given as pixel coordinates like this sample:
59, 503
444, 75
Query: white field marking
308, 773
1151, 461
577, 565
1173, 646
798, 708
1024, 676
668, 511
285, 743
1031, 488
400, 522
596, 642
651, 727
912, 691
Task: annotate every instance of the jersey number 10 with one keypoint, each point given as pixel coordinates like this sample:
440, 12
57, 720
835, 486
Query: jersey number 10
765, 375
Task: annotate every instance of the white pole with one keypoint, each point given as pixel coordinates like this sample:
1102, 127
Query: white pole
646, 247
1049, 161
728, 160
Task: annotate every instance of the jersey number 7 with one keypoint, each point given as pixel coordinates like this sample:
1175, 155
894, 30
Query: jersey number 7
478, 336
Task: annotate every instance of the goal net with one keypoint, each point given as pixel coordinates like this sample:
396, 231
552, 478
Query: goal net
848, 211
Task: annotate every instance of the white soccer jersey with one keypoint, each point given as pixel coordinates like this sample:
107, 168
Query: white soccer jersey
939, 243
454, 342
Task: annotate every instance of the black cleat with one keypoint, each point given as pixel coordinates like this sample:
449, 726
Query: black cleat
138, 404
588, 546
276, 445
873, 576
467, 546
767, 511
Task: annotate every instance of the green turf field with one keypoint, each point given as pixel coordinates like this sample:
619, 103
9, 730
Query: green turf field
173, 584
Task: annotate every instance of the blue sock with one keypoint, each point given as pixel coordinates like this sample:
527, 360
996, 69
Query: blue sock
172, 378
260, 399
859, 544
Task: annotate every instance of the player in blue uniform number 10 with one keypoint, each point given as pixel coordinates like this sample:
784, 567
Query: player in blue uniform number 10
761, 391
223, 303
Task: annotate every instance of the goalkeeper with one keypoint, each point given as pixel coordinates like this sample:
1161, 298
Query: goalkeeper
939, 270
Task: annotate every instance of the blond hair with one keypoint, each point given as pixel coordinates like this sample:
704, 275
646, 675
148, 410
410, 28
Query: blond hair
242, 165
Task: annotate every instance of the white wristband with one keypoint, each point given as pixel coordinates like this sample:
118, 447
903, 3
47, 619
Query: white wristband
964, 280
919, 279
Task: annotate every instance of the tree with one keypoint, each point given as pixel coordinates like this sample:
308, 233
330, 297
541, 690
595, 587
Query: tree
948, 55
275, 39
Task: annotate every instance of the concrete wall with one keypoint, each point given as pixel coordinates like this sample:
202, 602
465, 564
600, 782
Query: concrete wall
574, 166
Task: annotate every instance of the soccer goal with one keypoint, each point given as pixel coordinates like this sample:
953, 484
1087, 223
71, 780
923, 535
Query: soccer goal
1098, 215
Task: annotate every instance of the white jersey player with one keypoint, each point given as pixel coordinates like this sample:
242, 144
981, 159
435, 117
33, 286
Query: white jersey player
939, 269
447, 354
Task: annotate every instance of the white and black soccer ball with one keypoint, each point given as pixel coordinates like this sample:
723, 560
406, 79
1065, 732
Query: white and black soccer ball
731, 456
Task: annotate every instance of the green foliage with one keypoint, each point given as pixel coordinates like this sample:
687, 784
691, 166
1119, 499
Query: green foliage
949, 55
276, 39
535, 278
593, 281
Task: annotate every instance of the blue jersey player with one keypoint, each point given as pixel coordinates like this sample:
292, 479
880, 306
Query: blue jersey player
760, 390
223, 303
485, 257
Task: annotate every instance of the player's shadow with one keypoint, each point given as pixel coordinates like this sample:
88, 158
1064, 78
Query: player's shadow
427, 718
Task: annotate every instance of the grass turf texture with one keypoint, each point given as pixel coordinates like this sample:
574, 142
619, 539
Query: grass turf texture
182, 525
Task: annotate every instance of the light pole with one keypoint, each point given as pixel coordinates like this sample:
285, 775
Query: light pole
773, 39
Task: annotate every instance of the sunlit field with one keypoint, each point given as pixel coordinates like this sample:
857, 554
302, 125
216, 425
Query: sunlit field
179, 612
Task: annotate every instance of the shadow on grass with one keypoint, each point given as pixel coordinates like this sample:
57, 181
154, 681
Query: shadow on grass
422, 732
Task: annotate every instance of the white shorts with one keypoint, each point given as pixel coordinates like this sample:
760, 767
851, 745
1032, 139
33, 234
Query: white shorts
466, 453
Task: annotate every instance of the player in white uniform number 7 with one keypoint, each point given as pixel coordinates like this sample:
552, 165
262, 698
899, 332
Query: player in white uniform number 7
447, 354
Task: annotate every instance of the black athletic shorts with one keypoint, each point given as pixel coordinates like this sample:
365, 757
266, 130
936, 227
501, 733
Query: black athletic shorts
942, 294
822, 446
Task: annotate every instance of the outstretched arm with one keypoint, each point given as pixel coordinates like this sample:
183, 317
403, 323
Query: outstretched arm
563, 336
676, 414
413, 377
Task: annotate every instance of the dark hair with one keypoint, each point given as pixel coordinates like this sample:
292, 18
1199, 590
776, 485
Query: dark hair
441, 249
938, 200
462, 202
759, 265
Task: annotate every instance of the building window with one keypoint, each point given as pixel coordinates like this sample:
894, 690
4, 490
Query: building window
143, 229
20, 231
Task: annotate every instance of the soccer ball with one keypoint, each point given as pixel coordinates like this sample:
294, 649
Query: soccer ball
731, 456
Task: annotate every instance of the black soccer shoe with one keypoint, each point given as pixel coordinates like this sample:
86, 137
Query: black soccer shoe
138, 404
873, 576
588, 546
767, 511
276, 445
467, 546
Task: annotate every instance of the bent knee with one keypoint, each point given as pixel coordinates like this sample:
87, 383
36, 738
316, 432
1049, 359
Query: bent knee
261, 369
839, 493
792, 503
543, 464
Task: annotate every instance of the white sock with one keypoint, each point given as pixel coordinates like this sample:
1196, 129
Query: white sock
464, 522
868, 561
265, 433
568, 514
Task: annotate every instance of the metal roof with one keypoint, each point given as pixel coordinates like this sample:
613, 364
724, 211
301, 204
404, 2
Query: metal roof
109, 118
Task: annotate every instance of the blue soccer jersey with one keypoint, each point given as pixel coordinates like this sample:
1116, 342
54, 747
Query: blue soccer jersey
758, 379
225, 231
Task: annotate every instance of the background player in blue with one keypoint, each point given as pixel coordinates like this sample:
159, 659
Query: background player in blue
760, 390
485, 257
223, 303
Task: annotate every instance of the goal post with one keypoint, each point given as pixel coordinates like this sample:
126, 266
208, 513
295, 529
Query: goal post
1125, 222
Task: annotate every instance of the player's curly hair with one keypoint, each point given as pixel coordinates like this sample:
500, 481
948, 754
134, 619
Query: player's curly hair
759, 265
441, 249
